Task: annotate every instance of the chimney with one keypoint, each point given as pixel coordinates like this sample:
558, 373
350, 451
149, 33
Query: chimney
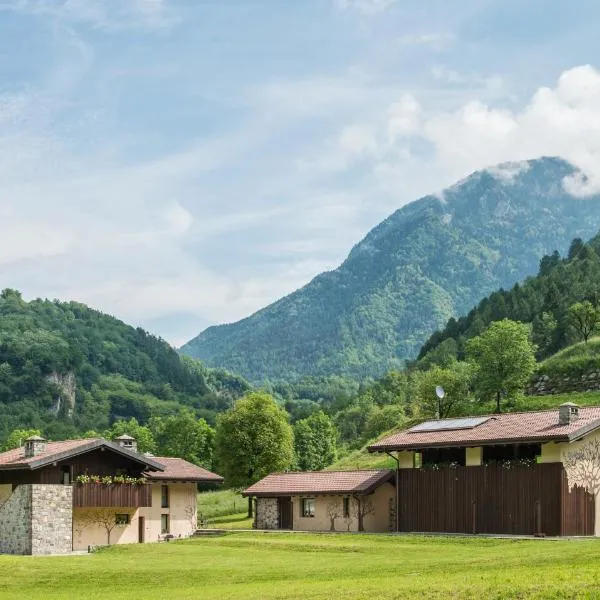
568, 413
127, 442
35, 445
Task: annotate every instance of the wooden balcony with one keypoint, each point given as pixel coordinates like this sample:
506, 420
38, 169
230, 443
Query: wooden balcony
98, 495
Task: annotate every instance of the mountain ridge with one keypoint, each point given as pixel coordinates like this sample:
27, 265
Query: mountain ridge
428, 261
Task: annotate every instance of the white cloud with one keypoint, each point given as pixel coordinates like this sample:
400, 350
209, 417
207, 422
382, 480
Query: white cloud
404, 117
437, 41
101, 14
369, 7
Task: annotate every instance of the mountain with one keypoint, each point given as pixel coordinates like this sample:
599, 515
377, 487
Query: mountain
430, 260
65, 369
542, 300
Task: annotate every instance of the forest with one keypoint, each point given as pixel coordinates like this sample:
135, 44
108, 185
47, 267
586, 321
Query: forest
65, 369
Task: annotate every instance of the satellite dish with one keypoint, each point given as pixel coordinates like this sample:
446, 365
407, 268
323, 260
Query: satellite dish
439, 391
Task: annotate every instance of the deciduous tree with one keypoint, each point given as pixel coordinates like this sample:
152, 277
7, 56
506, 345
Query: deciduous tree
315, 440
18, 436
253, 439
505, 357
456, 381
584, 317
184, 436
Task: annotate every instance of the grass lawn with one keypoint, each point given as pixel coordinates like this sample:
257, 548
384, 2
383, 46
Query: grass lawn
307, 566
220, 503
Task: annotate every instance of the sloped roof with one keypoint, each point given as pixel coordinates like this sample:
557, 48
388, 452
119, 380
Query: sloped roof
16, 459
319, 482
522, 427
181, 470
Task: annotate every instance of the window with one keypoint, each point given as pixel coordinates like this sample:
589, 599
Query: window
122, 519
308, 507
164, 496
65, 475
346, 507
164, 523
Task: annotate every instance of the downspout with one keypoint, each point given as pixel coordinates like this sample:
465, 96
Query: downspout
397, 519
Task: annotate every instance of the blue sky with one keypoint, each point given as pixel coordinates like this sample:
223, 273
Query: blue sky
181, 163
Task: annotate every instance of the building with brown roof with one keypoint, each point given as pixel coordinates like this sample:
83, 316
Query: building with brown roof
325, 501
56, 497
518, 473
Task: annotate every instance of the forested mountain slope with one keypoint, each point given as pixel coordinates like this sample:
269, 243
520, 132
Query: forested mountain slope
542, 300
429, 261
65, 368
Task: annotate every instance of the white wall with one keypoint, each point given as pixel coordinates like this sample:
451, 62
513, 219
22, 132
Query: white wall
181, 511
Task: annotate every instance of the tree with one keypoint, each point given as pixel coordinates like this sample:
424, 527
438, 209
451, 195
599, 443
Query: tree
334, 511
505, 358
253, 439
544, 328
363, 506
17, 437
575, 248
584, 317
141, 433
184, 436
456, 381
315, 442
100, 517
383, 418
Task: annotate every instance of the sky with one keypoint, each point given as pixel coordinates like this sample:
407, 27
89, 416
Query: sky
183, 163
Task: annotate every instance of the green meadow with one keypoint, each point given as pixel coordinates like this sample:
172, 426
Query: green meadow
308, 566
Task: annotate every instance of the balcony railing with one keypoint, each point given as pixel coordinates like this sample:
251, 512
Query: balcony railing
98, 495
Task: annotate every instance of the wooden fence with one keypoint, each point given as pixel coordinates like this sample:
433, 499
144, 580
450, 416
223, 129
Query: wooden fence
98, 495
527, 500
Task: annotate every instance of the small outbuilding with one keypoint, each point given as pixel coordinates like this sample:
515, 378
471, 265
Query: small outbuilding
325, 501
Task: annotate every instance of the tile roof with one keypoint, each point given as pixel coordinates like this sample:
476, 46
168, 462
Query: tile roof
319, 482
182, 470
16, 459
532, 426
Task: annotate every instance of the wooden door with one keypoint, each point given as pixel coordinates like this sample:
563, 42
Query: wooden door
141, 529
286, 513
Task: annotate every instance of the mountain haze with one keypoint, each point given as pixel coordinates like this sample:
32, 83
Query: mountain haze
430, 260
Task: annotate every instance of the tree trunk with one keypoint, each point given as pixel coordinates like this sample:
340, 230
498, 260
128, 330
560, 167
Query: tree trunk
249, 507
498, 401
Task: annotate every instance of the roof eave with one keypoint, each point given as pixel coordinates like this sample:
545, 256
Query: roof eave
469, 443
83, 449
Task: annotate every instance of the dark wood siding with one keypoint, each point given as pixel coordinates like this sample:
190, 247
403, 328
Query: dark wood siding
97, 462
524, 500
93, 495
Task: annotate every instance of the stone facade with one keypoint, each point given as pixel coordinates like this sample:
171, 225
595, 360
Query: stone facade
36, 519
52, 522
267, 513
15, 522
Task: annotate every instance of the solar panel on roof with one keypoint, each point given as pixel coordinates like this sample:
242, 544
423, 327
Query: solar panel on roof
448, 424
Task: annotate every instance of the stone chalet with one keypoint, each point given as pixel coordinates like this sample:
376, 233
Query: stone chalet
325, 501
56, 497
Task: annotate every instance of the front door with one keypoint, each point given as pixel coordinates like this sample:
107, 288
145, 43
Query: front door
286, 513
141, 529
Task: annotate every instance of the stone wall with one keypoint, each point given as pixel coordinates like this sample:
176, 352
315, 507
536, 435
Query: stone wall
15, 522
545, 385
52, 522
267, 513
37, 519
